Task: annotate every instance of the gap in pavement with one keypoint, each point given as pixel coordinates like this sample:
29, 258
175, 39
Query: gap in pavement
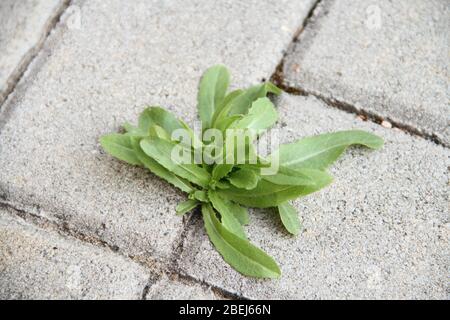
33, 52
278, 79
171, 270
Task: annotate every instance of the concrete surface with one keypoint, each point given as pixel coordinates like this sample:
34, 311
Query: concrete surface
23, 28
379, 231
390, 58
169, 289
38, 264
100, 68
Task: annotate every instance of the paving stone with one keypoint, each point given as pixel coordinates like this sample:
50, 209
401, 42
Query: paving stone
37, 264
102, 69
24, 25
381, 230
168, 289
386, 57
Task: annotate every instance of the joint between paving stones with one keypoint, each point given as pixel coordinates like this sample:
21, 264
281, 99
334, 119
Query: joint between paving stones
365, 115
219, 292
61, 228
64, 229
157, 269
278, 79
33, 52
186, 279
151, 281
278, 76
174, 269
178, 246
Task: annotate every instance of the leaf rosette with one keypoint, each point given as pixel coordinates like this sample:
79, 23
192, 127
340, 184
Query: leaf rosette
224, 189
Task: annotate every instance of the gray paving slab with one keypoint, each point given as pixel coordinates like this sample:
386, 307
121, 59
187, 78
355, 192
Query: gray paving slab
38, 264
23, 27
166, 288
389, 58
101, 66
381, 230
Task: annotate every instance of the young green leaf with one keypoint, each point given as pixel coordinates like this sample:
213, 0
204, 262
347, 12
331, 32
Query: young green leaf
157, 131
225, 102
267, 194
186, 206
299, 177
161, 150
228, 218
129, 127
161, 117
239, 253
244, 178
119, 146
221, 185
262, 115
242, 102
199, 195
221, 170
159, 170
195, 141
318, 152
289, 218
241, 213
212, 90
226, 122
270, 87
133, 131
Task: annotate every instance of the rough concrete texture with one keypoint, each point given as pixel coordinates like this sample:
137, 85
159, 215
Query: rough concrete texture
23, 27
386, 57
381, 230
103, 64
168, 289
37, 264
